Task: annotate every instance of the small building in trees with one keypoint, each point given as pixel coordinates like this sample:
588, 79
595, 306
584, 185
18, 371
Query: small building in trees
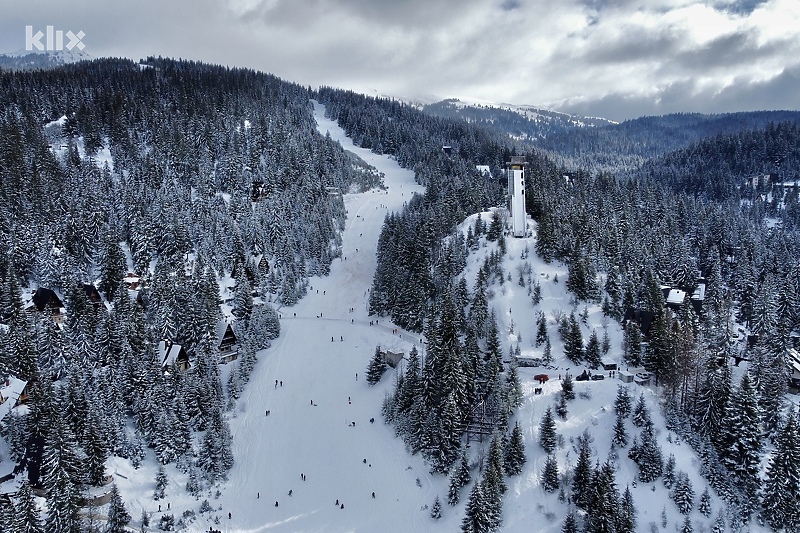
47, 301
608, 363
92, 294
227, 343
132, 281
171, 354
12, 392
793, 358
625, 376
675, 296
392, 358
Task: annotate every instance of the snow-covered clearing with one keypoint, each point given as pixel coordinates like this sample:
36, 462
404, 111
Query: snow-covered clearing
319, 422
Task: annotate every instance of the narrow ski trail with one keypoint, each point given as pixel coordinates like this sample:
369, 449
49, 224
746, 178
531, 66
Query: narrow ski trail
319, 422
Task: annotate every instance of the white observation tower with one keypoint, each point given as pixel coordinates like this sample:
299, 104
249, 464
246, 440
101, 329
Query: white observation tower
515, 172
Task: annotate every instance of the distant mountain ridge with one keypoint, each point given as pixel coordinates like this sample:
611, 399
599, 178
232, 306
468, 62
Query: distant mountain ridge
35, 60
521, 122
599, 144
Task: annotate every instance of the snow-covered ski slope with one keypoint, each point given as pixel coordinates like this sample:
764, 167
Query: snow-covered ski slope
310, 428
319, 440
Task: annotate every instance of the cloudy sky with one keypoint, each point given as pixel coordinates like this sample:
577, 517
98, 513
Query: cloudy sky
610, 58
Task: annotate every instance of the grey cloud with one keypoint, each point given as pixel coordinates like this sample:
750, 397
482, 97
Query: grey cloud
381, 13
739, 7
779, 92
739, 48
635, 44
510, 5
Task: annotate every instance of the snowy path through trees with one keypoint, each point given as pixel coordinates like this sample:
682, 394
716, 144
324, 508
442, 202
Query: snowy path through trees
310, 427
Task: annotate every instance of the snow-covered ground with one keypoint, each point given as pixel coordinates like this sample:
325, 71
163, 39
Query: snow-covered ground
319, 423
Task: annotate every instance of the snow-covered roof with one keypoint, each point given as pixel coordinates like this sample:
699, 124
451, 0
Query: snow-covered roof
676, 296
168, 352
10, 391
483, 169
221, 328
794, 360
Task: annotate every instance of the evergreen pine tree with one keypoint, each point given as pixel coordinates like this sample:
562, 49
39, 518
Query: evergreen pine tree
781, 491
547, 353
376, 368
669, 471
622, 403
514, 452
647, 455
620, 433
632, 354
582, 473
161, 482
477, 517
705, 503
495, 227
626, 522
453, 488
561, 406
550, 474
118, 517
683, 493
573, 343
547, 432
514, 393
604, 501
641, 414
570, 523
741, 441
592, 351
687, 527
541, 329
493, 484
27, 515
568, 387
436, 509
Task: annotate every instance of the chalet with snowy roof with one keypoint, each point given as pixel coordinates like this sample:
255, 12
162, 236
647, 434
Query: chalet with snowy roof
227, 343
12, 392
674, 296
47, 301
793, 359
171, 354
132, 281
92, 294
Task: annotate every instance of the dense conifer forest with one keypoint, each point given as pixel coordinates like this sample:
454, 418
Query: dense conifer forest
689, 217
185, 175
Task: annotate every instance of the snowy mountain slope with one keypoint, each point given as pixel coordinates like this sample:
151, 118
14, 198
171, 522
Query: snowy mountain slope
29, 60
522, 122
323, 345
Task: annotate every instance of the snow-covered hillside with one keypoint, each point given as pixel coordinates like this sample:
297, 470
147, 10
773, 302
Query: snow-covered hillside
319, 445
